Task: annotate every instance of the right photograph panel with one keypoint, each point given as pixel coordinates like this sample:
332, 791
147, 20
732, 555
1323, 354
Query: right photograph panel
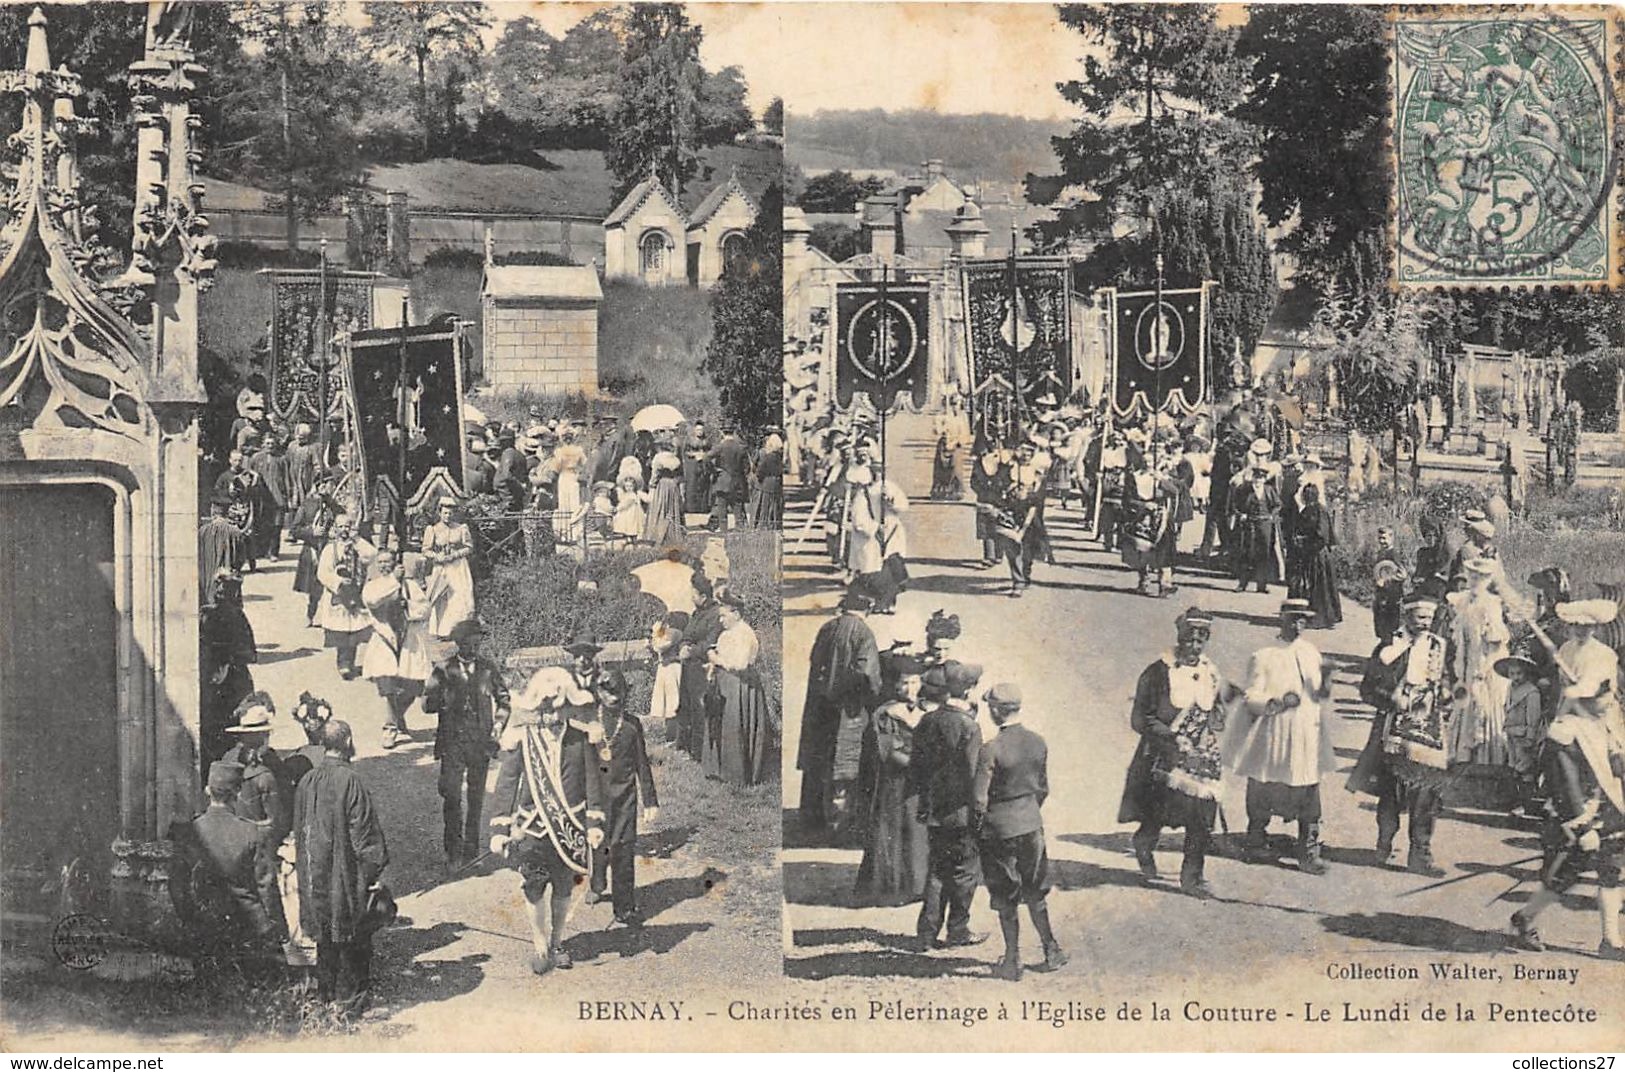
1202, 543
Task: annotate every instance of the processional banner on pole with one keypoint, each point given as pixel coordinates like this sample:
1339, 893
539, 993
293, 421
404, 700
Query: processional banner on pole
1019, 324
882, 348
1159, 352
296, 343
429, 417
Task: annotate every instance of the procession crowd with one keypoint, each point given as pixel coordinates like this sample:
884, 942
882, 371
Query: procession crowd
1481, 694
288, 858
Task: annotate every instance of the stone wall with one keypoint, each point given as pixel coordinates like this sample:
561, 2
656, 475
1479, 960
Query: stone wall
550, 347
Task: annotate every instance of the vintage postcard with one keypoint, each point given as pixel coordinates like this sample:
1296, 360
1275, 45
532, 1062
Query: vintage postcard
810, 526
1189, 635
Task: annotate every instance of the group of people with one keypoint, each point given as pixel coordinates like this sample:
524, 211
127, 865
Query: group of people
629, 486
892, 756
1465, 676
861, 509
285, 862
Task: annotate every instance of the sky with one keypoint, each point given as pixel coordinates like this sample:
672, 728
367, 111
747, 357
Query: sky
960, 58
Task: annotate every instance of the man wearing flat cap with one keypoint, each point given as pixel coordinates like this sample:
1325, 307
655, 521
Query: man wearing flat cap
227, 859
947, 745
842, 686
1012, 782
1279, 741
1408, 680
471, 698
1174, 778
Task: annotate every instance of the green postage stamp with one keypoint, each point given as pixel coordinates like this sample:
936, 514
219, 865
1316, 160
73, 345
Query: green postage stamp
1505, 162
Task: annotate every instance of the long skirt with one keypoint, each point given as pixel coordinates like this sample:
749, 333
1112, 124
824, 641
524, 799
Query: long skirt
738, 729
767, 507
458, 604
663, 524
304, 572
696, 486
1315, 579
895, 846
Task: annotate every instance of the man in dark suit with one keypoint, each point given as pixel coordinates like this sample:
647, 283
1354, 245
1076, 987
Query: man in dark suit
471, 698
628, 780
731, 461
947, 743
229, 861
1012, 780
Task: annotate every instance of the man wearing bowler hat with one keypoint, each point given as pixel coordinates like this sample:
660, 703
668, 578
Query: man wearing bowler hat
1012, 781
947, 745
471, 698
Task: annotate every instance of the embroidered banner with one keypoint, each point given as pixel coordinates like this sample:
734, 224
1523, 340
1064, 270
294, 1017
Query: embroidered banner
1159, 353
884, 348
429, 416
296, 354
1019, 324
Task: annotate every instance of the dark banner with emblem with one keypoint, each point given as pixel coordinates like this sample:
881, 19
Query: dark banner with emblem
1159, 353
430, 414
296, 336
884, 348
1018, 325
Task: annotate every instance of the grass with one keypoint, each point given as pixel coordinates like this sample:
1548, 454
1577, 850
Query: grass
1576, 528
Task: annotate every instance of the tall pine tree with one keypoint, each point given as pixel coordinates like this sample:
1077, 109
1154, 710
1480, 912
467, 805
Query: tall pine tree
1159, 149
656, 124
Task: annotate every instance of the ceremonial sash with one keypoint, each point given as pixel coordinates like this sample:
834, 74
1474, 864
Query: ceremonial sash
1196, 729
559, 821
1414, 736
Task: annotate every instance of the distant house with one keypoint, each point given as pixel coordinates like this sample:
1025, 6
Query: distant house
914, 217
649, 236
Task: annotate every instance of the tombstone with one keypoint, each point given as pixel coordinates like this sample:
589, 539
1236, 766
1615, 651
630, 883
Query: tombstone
99, 688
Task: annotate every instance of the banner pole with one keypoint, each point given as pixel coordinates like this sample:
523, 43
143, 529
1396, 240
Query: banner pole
884, 366
400, 420
324, 329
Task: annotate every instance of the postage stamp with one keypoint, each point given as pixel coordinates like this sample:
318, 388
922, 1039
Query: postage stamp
1505, 165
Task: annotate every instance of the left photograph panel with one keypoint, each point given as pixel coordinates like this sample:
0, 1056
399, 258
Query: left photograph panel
390, 495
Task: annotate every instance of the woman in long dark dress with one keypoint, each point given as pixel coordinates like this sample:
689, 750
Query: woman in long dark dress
697, 471
894, 866
1316, 578
739, 724
767, 505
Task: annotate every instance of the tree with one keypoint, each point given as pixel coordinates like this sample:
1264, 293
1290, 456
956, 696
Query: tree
1156, 114
745, 356
1158, 146
288, 112
655, 129
838, 241
1319, 101
723, 113
837, 191
773, 117
419, 31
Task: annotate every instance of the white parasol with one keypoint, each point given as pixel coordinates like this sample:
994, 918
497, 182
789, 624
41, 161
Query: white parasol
670, 582
657, 418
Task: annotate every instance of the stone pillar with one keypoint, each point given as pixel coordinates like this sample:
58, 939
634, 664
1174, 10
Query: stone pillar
797, 244
968, 232
397, 234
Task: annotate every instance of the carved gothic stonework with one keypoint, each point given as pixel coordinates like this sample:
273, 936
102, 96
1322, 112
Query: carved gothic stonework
67, 357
